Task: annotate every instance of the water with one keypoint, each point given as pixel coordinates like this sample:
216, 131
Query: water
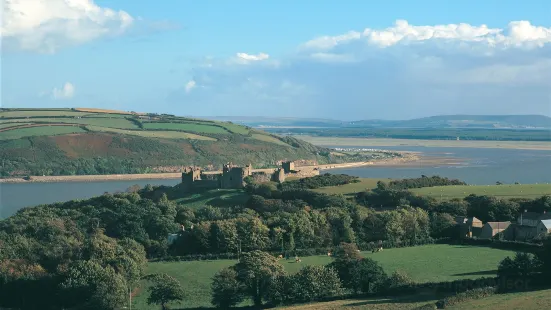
477, 166
15, 196
474, 165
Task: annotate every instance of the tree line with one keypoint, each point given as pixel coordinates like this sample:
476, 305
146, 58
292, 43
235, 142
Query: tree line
63, 253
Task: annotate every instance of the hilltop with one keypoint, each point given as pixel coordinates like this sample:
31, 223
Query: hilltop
84, 141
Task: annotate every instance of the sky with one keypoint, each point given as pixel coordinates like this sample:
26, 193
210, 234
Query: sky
346, 60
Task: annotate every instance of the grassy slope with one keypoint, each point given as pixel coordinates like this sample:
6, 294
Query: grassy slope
423, 264
449, 192
165, 142
503, 191
523, 300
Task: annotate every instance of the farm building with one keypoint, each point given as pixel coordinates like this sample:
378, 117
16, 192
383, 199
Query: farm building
544, 227
469, 226
491, 229
532, 218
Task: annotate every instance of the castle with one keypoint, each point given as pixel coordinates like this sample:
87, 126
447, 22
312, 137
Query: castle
232, 177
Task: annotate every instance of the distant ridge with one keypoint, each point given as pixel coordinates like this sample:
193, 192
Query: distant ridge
440, 121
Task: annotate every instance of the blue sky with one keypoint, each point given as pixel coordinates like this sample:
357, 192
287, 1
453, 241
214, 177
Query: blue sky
323, 59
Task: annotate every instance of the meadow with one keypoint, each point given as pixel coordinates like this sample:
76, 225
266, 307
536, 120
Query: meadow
522, 300
424, 264
501, 191
152, 134
39, 131
193, 127
266, 138
351, 188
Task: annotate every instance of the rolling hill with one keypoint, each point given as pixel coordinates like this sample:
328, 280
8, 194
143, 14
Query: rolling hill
83, 141
441, 121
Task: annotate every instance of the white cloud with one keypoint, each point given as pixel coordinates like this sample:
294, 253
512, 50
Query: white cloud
260, 56
46, 26
65, 92
401, 71
190, 86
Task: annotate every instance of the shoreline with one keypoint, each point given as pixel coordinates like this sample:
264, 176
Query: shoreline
386, 142
409, 158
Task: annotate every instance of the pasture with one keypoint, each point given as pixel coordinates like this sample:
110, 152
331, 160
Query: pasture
192, 127
152, 134
267, 138
523, 300
37, 113
215, 198
424, 264
40, 131
352, 188
501, 191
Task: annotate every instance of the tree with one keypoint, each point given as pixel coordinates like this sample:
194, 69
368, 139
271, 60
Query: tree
360, 275
347, 251
88, 285
522, 267
314, 283
226, 289
255, 271
164, 290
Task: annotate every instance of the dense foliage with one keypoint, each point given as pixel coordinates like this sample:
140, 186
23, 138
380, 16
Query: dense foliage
90, 253
424, 181
319, 181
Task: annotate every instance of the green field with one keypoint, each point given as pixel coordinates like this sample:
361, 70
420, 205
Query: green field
39, 131
235, 128
95, 121
34, 113
6, 125
152, 134
267, 138
521, 301
352, 188
502, 191
216, 198
193, 127
423, 264
402, 302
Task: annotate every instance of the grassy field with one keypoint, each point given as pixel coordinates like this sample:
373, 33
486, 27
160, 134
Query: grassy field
503, 191
266, 138
217, 198
403, 302
7, 125
235, 128
45, 113
152, 134
193, 127
423, 264
352, 188
380, 142
39, 131
521, 301
99, 121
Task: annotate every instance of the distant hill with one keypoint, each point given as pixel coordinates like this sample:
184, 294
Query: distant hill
443, 121
91, 141
463, 121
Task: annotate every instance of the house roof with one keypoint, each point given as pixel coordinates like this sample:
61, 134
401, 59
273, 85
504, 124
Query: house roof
465, 220
498, 225
546, 223
530, 216
535, 216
